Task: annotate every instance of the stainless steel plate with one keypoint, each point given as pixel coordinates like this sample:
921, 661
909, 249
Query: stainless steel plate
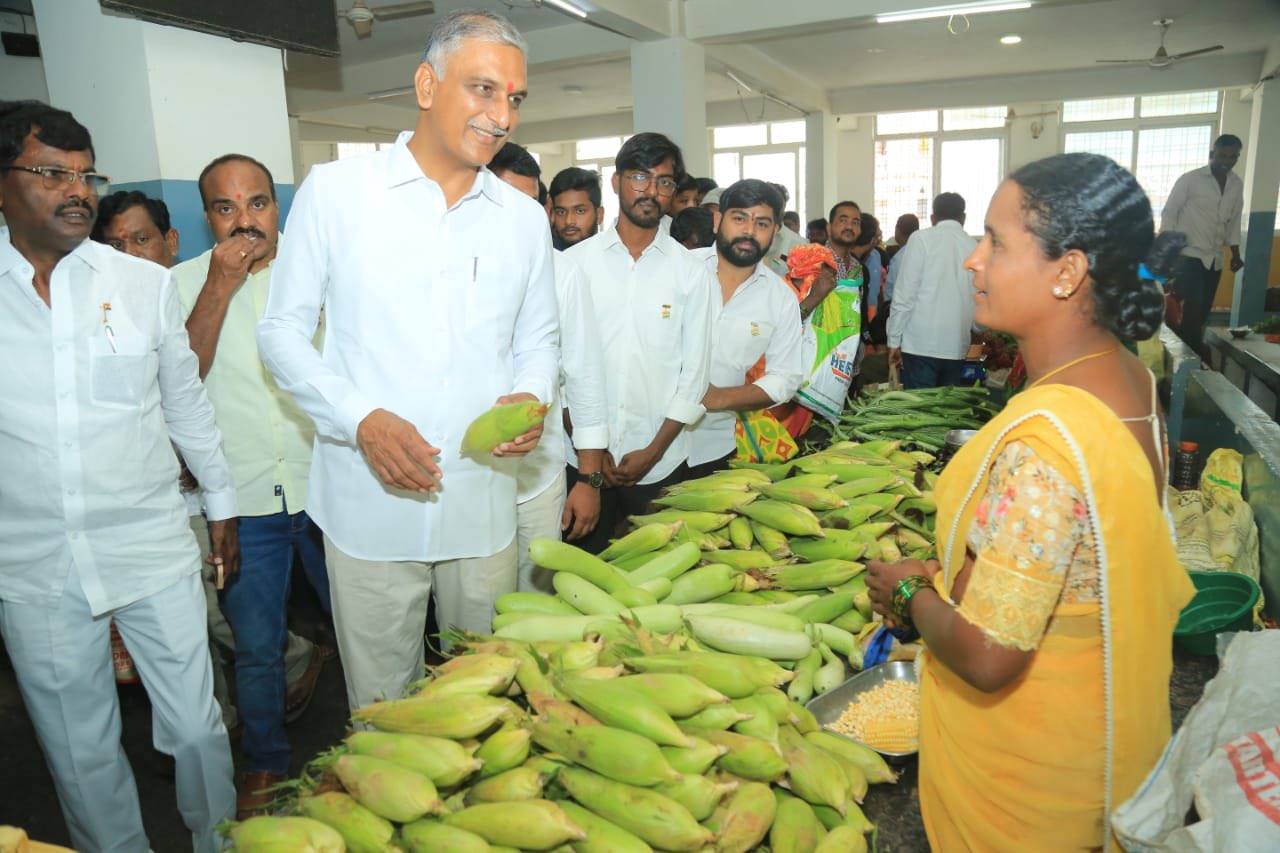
956, 438
828, 707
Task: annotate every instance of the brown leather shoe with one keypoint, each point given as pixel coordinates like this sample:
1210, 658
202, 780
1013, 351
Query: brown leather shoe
297, 696
251, 798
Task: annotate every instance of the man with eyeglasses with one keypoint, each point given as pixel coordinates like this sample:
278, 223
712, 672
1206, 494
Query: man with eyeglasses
653, 307
101, 380
756, 332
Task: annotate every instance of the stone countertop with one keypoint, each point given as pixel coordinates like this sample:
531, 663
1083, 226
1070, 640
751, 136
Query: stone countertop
895, 809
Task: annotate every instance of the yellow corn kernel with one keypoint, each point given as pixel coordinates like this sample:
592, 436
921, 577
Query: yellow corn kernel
886, 718
892, 735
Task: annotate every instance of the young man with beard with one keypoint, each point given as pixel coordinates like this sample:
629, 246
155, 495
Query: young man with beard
100, 386
438, 293
543, 506
653, 309
268, 441
576, 209
756, 332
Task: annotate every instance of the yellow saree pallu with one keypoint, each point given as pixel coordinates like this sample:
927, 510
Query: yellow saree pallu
1039, 765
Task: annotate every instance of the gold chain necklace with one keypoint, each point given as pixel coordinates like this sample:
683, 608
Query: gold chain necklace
1073, 363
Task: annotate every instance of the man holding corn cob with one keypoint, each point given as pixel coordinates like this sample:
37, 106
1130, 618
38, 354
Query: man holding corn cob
653, 306
93, 525
755, 352
428, 322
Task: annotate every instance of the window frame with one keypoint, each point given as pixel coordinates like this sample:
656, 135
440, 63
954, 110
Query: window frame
798, 149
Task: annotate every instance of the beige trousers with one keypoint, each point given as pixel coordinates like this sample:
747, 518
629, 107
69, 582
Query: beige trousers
538, 517
380, 612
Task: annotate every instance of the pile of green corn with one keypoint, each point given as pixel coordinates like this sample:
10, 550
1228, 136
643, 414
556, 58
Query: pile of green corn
920, 418
656, 702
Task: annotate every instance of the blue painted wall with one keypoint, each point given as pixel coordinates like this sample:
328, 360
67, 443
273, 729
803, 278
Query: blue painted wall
187, 214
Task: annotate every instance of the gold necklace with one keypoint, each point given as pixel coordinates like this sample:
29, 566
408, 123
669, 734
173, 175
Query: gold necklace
1072, 363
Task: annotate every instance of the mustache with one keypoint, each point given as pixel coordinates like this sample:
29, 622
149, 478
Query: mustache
747, 241
492, 130
74, 204
248, 232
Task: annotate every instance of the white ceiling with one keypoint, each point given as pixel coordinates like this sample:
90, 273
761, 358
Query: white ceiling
820, 54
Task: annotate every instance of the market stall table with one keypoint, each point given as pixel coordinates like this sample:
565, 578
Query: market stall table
1251, 363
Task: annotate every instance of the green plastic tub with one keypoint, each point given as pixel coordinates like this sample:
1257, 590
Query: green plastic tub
1224, 601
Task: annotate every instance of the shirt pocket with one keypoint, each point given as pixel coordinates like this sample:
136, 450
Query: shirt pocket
119, 370
658, 322
494, 290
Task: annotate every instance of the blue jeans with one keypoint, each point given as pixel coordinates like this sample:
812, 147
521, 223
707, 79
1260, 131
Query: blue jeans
925, 371
255, 603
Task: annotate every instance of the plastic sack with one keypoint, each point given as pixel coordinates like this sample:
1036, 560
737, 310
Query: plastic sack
830, 347
1225, 760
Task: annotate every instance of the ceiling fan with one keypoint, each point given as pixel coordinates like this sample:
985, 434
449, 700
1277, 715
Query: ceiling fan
1013, 114
1162, 57
361, 17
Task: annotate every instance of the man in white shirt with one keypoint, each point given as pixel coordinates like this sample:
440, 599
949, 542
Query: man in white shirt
653, 308
755, 339
1206, 205
543, 509
775, 256
268, 443
100, 380
430, 320
933, 300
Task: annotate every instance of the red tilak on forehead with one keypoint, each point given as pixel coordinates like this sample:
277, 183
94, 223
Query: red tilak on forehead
511, 87
122, 234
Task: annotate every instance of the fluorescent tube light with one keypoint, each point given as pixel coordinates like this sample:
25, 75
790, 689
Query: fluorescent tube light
566, 6
948, 11
736, 79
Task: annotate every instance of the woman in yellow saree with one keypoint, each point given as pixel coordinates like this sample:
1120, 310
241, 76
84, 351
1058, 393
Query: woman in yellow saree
1049, 616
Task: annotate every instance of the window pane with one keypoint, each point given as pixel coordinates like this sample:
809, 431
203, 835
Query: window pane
537, 158
1097, 109
787, 131
1164, 154
972, 167
922, 121
355, 149
801, 204
590, 167
777, 168
724, 168
740, 135
904, 178
974, 118
602, 148
1183, 103
1116, 144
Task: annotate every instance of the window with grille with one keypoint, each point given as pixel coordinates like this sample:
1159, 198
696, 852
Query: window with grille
769, 151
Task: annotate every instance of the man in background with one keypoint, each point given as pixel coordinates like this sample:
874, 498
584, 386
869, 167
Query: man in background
791, 220
576, 209
932, 318
816, 231
907, 224
784, 240
705, 185
1205, 205
685, 196
693, 228
131, 222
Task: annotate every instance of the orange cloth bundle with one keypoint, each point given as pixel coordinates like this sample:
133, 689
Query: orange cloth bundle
803, 265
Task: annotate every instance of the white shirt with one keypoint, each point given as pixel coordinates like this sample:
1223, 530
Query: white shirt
933, 295
90, 476
431, 312
580, 389
1208, 215
761, 320
654, 320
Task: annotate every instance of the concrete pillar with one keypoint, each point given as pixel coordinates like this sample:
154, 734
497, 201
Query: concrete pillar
162, 102
1261, 184
820, 142
668, 89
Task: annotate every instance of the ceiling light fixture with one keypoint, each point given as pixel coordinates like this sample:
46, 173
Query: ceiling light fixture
565, 6
738, 80
949, 11
1011, 38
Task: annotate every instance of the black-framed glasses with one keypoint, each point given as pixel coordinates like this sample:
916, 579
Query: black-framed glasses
640, 181
56, 177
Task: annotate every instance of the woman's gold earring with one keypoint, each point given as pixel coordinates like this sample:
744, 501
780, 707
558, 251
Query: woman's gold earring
1062, 292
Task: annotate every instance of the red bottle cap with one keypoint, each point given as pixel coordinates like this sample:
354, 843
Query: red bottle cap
1188, 446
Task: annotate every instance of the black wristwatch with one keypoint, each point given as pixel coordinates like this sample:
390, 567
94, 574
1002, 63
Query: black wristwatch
595, 480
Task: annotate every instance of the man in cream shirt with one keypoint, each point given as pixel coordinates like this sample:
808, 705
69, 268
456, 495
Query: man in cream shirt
755, 342
429, 321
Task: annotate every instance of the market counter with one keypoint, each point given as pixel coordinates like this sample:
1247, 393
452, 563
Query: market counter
1251, 363
895, 809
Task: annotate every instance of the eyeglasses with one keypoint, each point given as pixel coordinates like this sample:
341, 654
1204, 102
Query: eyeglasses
640, 181
56, 177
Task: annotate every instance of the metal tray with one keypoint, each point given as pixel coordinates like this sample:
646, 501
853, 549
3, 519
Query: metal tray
828, 707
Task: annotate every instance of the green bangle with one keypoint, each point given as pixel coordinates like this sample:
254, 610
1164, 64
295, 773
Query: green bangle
902, 594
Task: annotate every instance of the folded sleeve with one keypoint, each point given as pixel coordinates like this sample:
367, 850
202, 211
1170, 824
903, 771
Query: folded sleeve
695, 342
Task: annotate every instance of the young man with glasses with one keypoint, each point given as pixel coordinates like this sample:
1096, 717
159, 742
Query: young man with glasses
653, 311
100, 381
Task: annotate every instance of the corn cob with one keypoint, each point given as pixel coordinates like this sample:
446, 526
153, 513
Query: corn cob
506, 748
758, 722
518, 783
707, 484
462, 716
744, 638
703, 522
623, 708
630, 564
867, 485
677, 694
387, 789
843, 839
849, 517
501, 424
748, 757
571, 657
849, 471
826, 608
559, 711
813, 775
889, 550
806, 496
791, 519
692, 759
883, 502
656, 819
796, 828
602, 836
851, 621
866, 759
614, 753
854, 818
717, 717
431, 836
698, 794
669, 565
747, 818
493, 674
562, 557
805, 721
265, 834
645, 539
741, 560
773, 470
717, 501
441, 760
531, 824
732, 675
532, 602
855, 779
738, 598
740, 533
773, 542
361, 830
702, 584
819, 575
